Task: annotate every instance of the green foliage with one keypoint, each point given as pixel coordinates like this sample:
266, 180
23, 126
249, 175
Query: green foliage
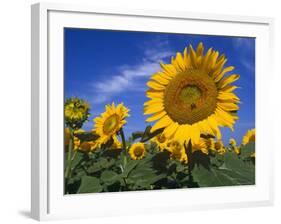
107, 170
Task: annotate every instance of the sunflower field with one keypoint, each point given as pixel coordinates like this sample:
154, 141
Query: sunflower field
189, 101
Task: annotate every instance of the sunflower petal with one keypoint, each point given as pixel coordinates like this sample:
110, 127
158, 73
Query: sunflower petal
193, 56
163, 122
227, 96
228, 80
153, 109
200, 49
183, 133
170, 130
154, 94
220, 75
155, 85
228, 106
156, 116
160, 79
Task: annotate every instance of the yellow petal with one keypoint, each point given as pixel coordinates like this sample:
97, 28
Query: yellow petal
153, 109
213, 60
229, 89
154, 94
227, 80
153, 101
168, 69
170, 130
183, 133
220, 75
156, 116
194, 133
193, 56
179, 62
214, 125
206, 59
155, 85
160, 79
163, 122
227, 96
200, 49
228, 106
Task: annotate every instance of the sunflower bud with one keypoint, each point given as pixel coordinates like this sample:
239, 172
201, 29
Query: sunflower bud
76, 112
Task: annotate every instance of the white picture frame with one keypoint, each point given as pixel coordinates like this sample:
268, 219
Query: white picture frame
48, 201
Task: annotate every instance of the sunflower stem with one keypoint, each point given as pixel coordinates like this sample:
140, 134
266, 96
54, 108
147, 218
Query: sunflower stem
69, 156
123, 140
124, 155
188, 151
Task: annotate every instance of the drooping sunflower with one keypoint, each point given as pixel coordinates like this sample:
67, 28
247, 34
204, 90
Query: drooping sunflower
161, 141
88, 146
219, 147
76, 112
110, 122
250, 136
137, 151
210, 143
177, 151
232, 142
233, 146
192, 95
201, 145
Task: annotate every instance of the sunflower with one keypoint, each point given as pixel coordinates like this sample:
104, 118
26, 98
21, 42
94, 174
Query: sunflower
177, 151
201, 145
210, 143
88, 146
233, 146
137, 151
161, 141
76, 112
219, 147
110, 122
192, 95
250, 136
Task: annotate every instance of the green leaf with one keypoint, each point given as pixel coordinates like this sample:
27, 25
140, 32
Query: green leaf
143, 175
149, 135
233, 171
87, 136
109, 177
136, 135
90, 185
247, 150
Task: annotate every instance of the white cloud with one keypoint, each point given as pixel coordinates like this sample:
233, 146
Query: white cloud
130, 77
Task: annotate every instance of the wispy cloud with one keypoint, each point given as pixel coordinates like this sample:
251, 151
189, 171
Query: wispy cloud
244, 46
242, 42
131, 77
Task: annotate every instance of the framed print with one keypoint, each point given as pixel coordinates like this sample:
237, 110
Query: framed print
164, 111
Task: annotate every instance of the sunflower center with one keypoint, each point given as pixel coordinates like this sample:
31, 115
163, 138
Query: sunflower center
218, 145
138, 151
161, 138
191, 96
111, 124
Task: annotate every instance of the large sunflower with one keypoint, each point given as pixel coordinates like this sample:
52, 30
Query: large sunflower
192, 95
110, 122
250, 136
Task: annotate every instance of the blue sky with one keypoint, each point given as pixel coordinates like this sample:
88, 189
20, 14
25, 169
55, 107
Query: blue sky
103, 66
